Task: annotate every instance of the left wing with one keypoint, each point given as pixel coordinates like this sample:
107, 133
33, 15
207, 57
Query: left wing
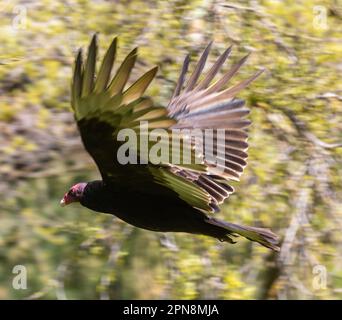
103, 106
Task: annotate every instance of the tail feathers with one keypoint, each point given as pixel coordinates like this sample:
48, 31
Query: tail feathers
261, 235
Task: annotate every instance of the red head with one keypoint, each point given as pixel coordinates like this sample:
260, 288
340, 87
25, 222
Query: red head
74, 194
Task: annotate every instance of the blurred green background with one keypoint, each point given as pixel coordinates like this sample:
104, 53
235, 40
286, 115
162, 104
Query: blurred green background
292, 183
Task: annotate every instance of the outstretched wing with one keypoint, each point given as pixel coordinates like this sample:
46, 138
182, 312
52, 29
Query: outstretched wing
204, 104
103, 106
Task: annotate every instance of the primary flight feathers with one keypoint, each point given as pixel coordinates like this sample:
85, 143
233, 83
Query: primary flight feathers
198, 102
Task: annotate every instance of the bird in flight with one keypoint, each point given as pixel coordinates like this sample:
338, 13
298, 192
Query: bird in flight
164, 196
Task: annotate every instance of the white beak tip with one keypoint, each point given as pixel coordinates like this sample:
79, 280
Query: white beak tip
62, 203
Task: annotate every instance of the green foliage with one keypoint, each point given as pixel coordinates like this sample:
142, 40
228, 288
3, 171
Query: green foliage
292, 183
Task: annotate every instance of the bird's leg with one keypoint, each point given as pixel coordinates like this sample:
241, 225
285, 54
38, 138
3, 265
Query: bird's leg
227, 238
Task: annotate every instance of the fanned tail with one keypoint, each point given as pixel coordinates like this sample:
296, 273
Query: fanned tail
261, 235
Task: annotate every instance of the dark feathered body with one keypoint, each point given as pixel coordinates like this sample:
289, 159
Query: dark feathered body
164, 213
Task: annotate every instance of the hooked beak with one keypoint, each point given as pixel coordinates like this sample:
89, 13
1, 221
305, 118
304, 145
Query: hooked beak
67, 200
63, 203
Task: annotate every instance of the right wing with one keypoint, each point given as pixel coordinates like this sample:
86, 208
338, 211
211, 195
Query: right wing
201, 104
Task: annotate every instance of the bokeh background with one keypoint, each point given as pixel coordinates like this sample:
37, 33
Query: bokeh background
292, 183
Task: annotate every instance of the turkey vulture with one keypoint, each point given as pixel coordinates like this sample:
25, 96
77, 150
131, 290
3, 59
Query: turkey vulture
163, 197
